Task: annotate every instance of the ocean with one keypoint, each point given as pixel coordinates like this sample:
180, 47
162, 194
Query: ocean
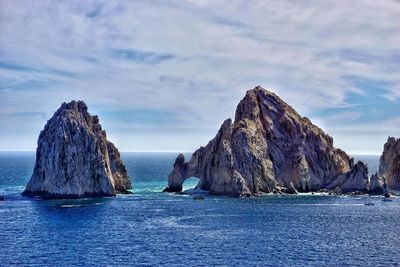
150, 228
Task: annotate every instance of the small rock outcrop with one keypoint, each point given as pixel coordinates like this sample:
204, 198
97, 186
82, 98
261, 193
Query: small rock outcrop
268, 146
74, 159
389, 163
377, 185
292, 190
355, 180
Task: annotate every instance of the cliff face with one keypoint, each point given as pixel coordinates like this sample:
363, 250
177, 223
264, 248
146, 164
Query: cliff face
74, 158
268, 148
389, 163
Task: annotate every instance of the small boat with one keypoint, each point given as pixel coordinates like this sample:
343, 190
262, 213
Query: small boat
369, 204
198, 197
388, 199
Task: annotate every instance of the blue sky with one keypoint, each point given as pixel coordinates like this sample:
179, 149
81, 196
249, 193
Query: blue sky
163, 75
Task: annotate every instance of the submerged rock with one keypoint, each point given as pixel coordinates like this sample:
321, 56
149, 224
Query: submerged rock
268, 146
389, 163
74, 159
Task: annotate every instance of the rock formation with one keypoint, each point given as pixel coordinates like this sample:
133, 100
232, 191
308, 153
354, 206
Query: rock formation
74, 158
377, 185
268, 148
389, 163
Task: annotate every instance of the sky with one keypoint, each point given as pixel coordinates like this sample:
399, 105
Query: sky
164, 75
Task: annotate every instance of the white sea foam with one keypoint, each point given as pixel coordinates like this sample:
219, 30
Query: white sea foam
79, 205
171, 221
70, 206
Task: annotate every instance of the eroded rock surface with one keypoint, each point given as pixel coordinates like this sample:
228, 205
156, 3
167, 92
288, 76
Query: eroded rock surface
377, 185
74, 158
389, 163
268, 146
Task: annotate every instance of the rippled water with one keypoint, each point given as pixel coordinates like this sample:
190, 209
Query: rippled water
154, 228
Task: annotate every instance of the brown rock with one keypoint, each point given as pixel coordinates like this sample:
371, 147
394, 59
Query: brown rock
269, 145
389, 163
74, 158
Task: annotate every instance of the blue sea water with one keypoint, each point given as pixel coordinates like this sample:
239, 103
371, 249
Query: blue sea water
151, 228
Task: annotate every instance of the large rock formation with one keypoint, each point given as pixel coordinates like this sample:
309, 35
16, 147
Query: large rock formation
74, 158
269, 147
389, 163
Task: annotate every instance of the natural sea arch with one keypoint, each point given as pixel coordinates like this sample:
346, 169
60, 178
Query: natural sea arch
190, 183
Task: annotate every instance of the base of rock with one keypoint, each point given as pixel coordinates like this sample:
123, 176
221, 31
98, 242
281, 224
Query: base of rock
47, 195
377, 192
292, 190
172, 189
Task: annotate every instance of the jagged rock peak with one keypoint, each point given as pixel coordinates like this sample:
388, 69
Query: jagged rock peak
269, 147
74, 158
389, 163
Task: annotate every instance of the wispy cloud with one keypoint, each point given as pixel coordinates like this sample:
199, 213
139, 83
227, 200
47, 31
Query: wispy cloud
140, 56
193, 60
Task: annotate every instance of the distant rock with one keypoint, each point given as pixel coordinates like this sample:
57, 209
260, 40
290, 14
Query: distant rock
269, 146
74, 159
376, 185
354, 180
178, 175
385, 190
389, 163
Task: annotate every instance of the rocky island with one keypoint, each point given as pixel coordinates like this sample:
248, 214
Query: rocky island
74, 159
268, 148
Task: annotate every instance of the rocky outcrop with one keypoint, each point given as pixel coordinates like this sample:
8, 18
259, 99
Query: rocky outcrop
268, 146
356, 179
377, 185
292, 190
389, 163
74, 159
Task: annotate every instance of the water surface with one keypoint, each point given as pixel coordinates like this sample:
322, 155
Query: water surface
154, 228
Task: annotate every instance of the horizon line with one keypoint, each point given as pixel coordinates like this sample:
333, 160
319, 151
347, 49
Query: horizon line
183, 151
121, 151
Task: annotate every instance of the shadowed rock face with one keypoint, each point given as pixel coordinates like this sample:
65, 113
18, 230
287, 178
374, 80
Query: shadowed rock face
377, 185
74, 158
268, 147
389, 163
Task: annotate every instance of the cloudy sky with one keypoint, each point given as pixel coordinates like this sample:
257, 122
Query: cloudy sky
163, 75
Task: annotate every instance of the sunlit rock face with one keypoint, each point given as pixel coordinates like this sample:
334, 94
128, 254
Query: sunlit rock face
389, 163
269, 147
74, 159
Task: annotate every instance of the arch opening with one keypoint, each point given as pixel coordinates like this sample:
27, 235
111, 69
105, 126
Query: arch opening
191, 183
